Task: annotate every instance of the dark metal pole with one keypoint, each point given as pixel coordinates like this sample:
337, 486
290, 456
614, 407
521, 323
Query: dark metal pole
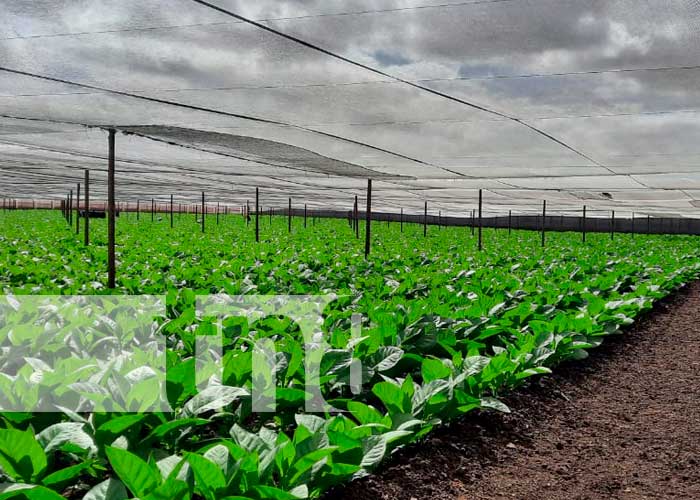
368, 218
612, 226
544, 217
247, 212
70, 208
111, 258
510, 221
172, 218
648, 224
77, 210
425, 219
304, 215
257, 215
583, 229
355, 221
203, 211
138, 209
86, 224
153, 209
633, 231
480, 220
289, 216
217, 213
402, 220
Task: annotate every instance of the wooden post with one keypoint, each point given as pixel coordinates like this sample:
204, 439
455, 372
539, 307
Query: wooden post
368, 218
583, 228
480, 221
402, 219
172, 217
510, 221
203, 211
86, 224
77, 210
257, 215
111, 259
289, 216
544, 218
612, 226
425, 219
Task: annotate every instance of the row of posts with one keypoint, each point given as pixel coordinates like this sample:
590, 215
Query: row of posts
67, 208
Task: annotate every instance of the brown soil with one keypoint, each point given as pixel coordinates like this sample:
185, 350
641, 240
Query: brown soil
623, 424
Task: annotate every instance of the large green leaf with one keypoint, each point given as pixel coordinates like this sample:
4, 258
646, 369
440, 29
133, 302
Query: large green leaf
21, 456
136, 474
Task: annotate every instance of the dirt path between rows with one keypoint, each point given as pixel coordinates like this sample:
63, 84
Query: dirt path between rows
623, 424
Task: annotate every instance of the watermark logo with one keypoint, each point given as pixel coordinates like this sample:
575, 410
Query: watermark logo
108, 353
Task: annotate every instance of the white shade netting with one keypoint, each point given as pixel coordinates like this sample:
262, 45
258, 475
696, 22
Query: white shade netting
577, 102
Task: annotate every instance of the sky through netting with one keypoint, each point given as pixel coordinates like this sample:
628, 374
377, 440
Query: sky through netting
591, 102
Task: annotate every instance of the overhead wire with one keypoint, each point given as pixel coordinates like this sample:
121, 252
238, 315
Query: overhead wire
358, 64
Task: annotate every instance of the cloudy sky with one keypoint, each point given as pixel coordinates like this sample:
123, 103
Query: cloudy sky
616, 80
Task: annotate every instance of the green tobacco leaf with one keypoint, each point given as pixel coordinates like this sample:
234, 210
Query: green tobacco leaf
212, 398
210, 478
136, 474
111, 489
21, 456
434, 369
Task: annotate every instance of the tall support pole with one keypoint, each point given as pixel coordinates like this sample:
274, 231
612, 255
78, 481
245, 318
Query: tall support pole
648, 224
612, 226
304, 215
217, 212
368, 218
86, 224
425, 219
544, 218
289, 216
172, 215
510, 221
153, 209
138, 209
270, 210
583, 228
111, 258
77, 210
257, 215
401, 220
633, 228
203, 211
357, 218
70, 208
439, 219
247, 212
481, 222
